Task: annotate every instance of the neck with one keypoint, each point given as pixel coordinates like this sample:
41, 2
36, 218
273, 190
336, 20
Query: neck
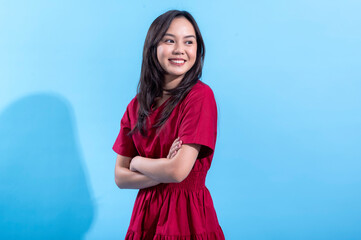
171, 82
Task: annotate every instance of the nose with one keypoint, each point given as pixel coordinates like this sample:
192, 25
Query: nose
178, 49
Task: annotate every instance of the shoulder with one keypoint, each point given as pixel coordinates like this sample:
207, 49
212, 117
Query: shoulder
200, 91
199, 99
201, 87
201, 94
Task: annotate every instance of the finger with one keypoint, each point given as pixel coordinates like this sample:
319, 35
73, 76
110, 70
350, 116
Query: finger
175, 147
171, 154
174, 144
174, 153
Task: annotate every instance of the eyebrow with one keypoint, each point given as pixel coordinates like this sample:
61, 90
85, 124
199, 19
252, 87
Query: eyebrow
188, 36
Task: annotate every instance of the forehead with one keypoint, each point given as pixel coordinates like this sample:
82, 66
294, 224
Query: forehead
181, 26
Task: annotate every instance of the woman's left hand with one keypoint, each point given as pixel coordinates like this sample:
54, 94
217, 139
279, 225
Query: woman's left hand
174, 148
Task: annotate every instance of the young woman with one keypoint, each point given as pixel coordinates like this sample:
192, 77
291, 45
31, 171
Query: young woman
167, 138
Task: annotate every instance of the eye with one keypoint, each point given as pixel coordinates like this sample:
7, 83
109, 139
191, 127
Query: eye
168, 41
189, 42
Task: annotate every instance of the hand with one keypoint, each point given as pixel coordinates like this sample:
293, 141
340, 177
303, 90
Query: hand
174, 148
133, 162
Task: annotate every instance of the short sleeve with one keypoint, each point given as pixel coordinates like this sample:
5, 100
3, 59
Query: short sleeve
198, 123
124, 144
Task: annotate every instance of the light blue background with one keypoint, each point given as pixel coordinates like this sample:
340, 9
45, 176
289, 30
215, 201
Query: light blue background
287, 80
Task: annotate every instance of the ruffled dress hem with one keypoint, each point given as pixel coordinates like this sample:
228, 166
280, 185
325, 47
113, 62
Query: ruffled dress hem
218, 235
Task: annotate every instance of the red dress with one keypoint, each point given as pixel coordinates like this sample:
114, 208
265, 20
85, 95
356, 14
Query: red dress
172, 211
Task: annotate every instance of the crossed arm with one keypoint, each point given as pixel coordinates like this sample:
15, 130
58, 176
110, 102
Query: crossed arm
141, 172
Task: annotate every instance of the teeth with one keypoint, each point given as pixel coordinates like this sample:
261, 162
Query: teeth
178, 61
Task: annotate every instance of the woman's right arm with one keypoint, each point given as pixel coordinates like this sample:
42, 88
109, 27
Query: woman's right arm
124, 178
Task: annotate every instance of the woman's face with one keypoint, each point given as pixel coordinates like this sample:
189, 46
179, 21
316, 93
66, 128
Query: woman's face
177, 51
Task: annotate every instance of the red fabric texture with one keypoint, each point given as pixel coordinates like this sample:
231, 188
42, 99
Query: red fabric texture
174, 211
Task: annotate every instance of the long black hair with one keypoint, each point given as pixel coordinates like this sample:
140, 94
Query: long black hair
151, 81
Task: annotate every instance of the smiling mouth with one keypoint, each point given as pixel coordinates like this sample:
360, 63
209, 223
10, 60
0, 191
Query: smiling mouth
177, 62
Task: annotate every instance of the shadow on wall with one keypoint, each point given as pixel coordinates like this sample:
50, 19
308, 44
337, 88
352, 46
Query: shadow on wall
43, 186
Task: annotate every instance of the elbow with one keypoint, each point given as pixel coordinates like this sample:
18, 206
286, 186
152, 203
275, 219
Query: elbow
178, 173
178, 179
118, 183
119, 180
179, 176
121, 184
173, 175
